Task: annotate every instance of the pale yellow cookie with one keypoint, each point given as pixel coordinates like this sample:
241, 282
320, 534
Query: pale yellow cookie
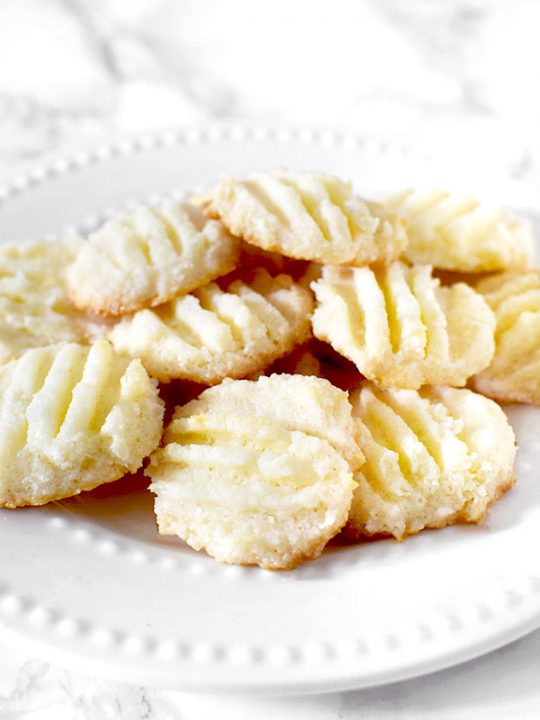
457, 232
514, 372
215, 333
256, 473
147, 257
401, 328
433, 458
311, 216
71, 418
34, 308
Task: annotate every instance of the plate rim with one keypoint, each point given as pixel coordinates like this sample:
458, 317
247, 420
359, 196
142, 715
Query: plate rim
71, 661
235, 132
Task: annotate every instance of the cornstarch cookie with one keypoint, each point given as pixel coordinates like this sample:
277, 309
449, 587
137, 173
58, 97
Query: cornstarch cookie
310, 216
71, 418
215, 333
434, 457
514, 372
258, 473
147, 257
34, 308
457, 232
401, 328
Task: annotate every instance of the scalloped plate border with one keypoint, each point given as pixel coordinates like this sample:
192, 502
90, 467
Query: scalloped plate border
521, 597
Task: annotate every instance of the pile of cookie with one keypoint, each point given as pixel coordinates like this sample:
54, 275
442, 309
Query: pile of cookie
323, 341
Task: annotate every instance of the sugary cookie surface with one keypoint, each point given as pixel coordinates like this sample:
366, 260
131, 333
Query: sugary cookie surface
258, 472
215, 333
514, 372
144, 258
34, 307
71, 418
400, 327
311, 216
333, 353
433, 458
457, 232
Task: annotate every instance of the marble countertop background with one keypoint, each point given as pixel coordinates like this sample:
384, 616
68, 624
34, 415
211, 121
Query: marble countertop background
463, 75
459, 73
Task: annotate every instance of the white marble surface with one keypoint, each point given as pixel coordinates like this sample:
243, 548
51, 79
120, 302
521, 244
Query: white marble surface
458, 74
500, 686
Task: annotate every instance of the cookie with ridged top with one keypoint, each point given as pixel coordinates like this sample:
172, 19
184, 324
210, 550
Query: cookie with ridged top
73, 417
258, 472
217, 332
514, 372
34, 307
400, 327
309, 216
433, 458
458, 232
144, 258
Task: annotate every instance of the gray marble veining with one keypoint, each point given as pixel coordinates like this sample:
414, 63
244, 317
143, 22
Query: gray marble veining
73, 72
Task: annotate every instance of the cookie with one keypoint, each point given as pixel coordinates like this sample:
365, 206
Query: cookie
309, 216
72, 418
258, 473
434, 457
514, 372
34, 307
401, 328
457, 232
215, 333
145, 258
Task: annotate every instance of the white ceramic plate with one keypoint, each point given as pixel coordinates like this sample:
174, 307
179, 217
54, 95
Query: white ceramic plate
90, 584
